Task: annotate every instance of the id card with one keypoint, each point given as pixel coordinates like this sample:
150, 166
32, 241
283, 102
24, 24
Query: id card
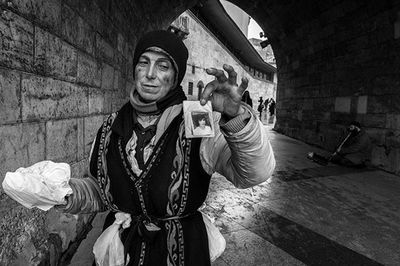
199, 122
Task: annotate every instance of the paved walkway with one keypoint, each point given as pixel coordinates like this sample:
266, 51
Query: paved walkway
305, 215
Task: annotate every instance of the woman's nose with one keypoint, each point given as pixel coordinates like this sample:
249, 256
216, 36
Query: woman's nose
151, 71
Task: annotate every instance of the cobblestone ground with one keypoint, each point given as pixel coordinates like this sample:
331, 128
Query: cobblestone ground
305, 214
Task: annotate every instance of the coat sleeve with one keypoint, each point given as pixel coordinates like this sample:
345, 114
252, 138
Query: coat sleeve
244, 157
86, 197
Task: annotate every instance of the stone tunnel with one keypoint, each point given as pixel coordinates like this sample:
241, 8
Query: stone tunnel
65, 64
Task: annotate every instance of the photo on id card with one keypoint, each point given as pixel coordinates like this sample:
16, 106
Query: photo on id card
199, 121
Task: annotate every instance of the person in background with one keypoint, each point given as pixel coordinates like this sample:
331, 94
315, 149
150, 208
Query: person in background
271, 107
266, 103
271, 111
142, 164
260, 107
247, 99
356, 150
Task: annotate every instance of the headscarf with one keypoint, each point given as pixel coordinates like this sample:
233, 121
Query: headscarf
171, 45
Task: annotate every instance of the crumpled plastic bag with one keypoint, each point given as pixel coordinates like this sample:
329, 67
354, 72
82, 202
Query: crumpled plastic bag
216, 241
41, 185
108, 248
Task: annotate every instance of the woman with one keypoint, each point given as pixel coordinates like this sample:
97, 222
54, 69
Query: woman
202, 129
142, 164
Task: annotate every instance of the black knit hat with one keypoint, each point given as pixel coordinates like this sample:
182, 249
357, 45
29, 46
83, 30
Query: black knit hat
167, 41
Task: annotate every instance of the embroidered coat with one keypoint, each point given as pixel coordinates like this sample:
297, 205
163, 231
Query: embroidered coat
172, 185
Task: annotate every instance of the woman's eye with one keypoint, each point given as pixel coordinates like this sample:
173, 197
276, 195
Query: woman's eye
163, 67
142, 63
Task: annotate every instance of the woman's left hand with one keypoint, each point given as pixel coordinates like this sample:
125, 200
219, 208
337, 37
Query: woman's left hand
223, 92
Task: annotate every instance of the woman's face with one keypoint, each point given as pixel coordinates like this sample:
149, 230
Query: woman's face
154, 76
202, 123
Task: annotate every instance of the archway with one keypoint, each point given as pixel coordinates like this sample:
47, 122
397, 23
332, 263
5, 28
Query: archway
66, 64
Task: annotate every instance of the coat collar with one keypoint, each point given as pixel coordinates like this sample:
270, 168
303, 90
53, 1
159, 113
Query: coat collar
125, 121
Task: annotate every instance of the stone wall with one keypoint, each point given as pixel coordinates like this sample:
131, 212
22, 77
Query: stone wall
64, 65
337, 61
206, 51
348, 70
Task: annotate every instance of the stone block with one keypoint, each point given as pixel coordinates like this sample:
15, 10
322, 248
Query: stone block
79, 169
45, 98
107, 77
342, 104
300, 115
379, 157
91, 12
120, 62
69, 24
89, 71
362, 104
45, 12
77, 31
394, 105
393, 121
62, 224
108, 101
10, 107
17, 37
295, 65
61, 140
81, 139
341, 118
73, 4
92, 125
119, 81
121, 43
96, 101
54, 57
375, 120
394, 158
23, 235
383, 104
324, 104
86, 36
128, 88
104, 50
377, 135
397, 28
384, 84
118, 100
21, 145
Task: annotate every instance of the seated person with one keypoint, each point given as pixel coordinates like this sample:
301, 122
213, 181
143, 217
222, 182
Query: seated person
354, 151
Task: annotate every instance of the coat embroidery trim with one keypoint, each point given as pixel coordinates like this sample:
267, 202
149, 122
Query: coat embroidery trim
142, 253
178, 195
176, 256
102, 177
178, 190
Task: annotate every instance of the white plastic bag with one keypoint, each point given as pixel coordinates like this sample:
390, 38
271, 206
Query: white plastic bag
216, 241
41, 185
108, 248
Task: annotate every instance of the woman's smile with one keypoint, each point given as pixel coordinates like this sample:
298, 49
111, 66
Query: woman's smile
154, 76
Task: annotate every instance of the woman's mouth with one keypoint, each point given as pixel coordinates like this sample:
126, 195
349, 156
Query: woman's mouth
149, 86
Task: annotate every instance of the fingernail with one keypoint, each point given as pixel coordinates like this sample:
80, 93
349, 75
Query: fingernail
203, 101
